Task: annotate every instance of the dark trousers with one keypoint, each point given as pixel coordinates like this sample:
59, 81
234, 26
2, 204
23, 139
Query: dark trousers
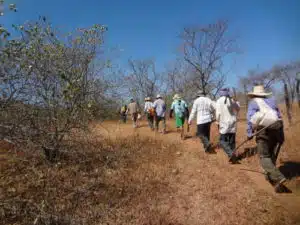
159, 119
269, 142
203, 132
123, 117
150, 120
227, 142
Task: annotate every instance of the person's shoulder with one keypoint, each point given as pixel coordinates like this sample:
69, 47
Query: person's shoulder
271, 101
220, 99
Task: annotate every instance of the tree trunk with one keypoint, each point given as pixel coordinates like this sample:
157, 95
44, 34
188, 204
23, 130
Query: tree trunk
246, 96
287, 102
298, 92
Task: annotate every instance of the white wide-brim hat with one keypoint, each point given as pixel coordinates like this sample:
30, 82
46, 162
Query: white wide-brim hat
158, 96
259, 90
176, 97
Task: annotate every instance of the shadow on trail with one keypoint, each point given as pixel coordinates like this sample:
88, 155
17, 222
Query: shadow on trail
290, 169
188, 137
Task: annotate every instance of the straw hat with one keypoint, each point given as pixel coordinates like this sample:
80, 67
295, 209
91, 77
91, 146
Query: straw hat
177, 97
148, 99
259, 91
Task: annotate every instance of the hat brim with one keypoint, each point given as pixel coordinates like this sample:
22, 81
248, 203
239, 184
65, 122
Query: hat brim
259, 94
177, 98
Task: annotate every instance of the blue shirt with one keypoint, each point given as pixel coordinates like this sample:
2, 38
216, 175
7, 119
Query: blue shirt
179, 107
253, 108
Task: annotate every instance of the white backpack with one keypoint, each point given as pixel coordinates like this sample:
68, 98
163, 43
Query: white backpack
265, 116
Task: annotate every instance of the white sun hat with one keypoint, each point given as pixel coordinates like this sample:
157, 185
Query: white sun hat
176, 97
259, 90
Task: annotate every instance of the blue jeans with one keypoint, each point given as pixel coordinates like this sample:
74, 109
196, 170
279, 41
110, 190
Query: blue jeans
227, 142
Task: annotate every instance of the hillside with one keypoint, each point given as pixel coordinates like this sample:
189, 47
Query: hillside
125, 176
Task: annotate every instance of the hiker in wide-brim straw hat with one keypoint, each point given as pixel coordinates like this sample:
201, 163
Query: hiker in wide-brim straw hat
264, 116
177, 97
259, 91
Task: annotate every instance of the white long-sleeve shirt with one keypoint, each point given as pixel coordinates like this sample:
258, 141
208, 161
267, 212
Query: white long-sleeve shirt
226, 115
204, 108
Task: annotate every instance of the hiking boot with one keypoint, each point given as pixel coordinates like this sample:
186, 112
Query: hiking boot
234, 159
279, 186
208, 149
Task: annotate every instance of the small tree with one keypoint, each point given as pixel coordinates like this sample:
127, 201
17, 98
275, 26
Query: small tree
50, 91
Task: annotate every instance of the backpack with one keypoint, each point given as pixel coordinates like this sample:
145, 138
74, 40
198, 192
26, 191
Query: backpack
151, 111
265, 116
123, 109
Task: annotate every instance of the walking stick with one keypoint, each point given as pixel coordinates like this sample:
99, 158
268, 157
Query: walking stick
253, 135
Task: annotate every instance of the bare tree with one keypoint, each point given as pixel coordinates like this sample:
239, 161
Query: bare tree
284, 73
143, 80
298, 87
178, 77
205, 49
287, 73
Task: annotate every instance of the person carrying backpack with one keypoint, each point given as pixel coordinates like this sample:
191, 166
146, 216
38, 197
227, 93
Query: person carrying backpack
181, 112
133, 110
150, 112
160, 110
262, 113
123, 114
226, 111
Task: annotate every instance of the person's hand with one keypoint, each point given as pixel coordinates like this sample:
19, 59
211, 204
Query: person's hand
190, 122
249, 138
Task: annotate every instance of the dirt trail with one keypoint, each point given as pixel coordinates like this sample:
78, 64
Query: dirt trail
204, 180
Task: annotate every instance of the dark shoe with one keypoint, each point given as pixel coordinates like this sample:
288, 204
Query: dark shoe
234, 159
208, 149
279, 186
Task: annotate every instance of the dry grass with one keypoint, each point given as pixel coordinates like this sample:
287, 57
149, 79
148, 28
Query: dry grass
138, 180
97, 183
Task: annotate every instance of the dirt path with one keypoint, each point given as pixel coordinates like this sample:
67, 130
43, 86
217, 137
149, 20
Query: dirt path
203, 181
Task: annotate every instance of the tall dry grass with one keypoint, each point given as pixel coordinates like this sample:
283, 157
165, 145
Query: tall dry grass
98, 182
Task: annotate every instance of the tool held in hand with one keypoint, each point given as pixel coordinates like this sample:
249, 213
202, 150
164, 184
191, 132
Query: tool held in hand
253, 135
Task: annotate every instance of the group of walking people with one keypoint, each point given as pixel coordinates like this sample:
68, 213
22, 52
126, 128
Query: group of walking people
264, 121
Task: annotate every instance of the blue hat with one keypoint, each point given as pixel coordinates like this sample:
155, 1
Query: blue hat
224, 92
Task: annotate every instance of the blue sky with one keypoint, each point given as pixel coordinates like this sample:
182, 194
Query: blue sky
268, 30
